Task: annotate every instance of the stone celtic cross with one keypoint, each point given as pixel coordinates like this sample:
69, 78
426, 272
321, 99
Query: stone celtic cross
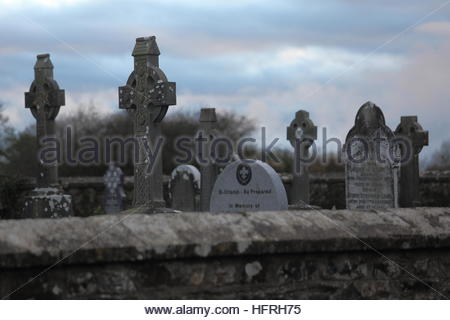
301, 134
44, 100
147, 96
410, 129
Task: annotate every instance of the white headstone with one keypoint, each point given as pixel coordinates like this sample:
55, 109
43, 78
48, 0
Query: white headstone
248, 186
114, 194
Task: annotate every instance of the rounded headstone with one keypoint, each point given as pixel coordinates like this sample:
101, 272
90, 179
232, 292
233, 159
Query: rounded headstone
184, 186
370, 162
187, 171
248, 186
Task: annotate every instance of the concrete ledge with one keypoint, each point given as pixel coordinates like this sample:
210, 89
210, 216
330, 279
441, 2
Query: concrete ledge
132, 237
261, 255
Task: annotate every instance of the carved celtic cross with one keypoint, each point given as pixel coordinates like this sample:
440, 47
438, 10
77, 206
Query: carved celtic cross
147, 96
44, 100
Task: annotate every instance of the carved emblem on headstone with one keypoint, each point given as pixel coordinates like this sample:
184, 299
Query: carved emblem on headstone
243, 174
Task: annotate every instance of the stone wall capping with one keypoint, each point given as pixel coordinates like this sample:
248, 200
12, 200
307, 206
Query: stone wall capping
136, 237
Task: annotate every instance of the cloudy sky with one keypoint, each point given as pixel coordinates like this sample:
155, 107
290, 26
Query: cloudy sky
265, 59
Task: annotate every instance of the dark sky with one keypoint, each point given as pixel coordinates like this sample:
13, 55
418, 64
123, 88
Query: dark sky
265, 59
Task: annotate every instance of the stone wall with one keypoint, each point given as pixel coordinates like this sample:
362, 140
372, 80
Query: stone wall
327, 191
339, 254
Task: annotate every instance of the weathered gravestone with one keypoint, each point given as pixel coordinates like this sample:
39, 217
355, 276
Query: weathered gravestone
371, 154
301, 133
184, 188
114, 195
415, 138
248, 185
209, 170
147, 96
44, 100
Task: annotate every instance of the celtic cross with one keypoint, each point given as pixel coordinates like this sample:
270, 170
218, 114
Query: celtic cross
410, 129
147, 96
44, 100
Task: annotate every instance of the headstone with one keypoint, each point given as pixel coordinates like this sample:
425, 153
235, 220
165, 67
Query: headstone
184, 186
208, 120
301, 134
147, 96
44, 100
371, 175
248, 186
416, 137
114, 194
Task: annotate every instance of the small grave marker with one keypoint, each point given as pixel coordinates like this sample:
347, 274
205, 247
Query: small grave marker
114, 194
301, 133
184, 186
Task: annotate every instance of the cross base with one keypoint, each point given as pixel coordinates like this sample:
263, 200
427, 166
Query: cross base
47, 203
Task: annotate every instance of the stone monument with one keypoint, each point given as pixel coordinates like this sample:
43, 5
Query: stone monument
44, 100
147, 96
371, 162
184, 188
248, 185
209, 171
301, 134
413, 133
114, 194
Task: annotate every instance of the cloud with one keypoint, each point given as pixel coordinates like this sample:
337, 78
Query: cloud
441, 28
419, 86
197, 29
260, 58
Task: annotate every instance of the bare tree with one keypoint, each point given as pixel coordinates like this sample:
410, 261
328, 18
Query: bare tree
440, 160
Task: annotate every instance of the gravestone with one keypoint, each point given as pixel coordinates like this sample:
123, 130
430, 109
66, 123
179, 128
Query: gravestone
147, 96
410, 130
114, 195
301, 133
44, 101
208, 120
371, 162
248, 185
184, 188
